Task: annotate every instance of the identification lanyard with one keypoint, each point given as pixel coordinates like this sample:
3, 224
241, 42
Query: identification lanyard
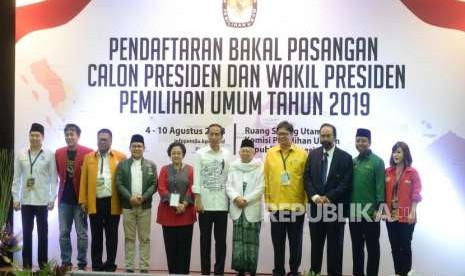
35, 159
284, 159
396, 186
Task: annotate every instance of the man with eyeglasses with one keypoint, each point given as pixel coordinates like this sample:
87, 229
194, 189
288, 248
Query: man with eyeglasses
285, 197
99, 197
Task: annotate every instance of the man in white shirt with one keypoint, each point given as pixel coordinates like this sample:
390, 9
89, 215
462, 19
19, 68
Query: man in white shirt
211, 201
34, 192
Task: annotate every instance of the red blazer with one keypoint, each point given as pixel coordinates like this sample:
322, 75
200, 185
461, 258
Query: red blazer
61, 157
408, 190
166, 215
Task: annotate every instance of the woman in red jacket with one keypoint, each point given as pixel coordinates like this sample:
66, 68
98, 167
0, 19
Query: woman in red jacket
403, 188
176, 211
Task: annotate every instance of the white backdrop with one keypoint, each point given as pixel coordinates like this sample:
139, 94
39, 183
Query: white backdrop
55, 85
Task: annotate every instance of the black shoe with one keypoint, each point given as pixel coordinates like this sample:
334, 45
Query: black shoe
109, 267
82, 267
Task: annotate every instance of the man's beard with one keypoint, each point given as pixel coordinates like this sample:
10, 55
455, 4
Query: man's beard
327, 144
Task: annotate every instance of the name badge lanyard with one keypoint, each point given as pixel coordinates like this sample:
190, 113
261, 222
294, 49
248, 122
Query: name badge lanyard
284, 159
35, 159
396, 185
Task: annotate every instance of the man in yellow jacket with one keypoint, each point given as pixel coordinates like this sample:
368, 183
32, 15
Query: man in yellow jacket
98, 196
285, 198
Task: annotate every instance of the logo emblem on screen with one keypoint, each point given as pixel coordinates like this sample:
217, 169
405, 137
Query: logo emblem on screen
239, 13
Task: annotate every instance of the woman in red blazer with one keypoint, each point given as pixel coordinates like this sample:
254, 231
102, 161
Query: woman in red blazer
403, 188
176, 211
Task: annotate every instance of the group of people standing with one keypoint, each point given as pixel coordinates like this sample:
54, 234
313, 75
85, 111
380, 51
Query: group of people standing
331, 187
103, 184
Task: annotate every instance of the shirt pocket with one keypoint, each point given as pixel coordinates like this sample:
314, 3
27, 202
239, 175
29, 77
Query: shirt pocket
24, 162
407, 183
367, 171
296, 166
42, 164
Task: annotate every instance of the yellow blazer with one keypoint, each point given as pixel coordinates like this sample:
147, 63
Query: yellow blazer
87, 192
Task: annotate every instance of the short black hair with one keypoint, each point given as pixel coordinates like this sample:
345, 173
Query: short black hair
331, 126
285, 124
216, 125
105, 130
73, 127
176, 144
407, 154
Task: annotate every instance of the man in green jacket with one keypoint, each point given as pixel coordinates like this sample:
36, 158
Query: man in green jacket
136, 179
367, 195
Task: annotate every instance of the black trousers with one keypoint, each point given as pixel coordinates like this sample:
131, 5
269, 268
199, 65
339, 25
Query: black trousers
208, 219
178, 244
103, 220
28, 212
290, 223
333, 232
365, 233
400, 236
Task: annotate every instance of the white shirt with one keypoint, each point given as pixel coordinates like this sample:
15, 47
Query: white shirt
105, 173
210, 175
44, 190
330, 158
136, 177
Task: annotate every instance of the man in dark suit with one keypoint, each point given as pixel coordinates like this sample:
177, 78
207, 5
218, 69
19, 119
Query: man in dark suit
327, 180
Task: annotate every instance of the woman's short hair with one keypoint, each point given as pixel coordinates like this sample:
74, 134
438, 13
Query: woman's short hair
176, 144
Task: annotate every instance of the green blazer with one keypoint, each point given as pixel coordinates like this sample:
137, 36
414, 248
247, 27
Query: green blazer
149, 182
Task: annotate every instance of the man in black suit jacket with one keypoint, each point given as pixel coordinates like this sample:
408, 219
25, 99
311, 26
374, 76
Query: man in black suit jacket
328, 180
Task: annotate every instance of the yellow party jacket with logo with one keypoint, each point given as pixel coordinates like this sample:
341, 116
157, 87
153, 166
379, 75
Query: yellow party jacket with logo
89, 171
290, 197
